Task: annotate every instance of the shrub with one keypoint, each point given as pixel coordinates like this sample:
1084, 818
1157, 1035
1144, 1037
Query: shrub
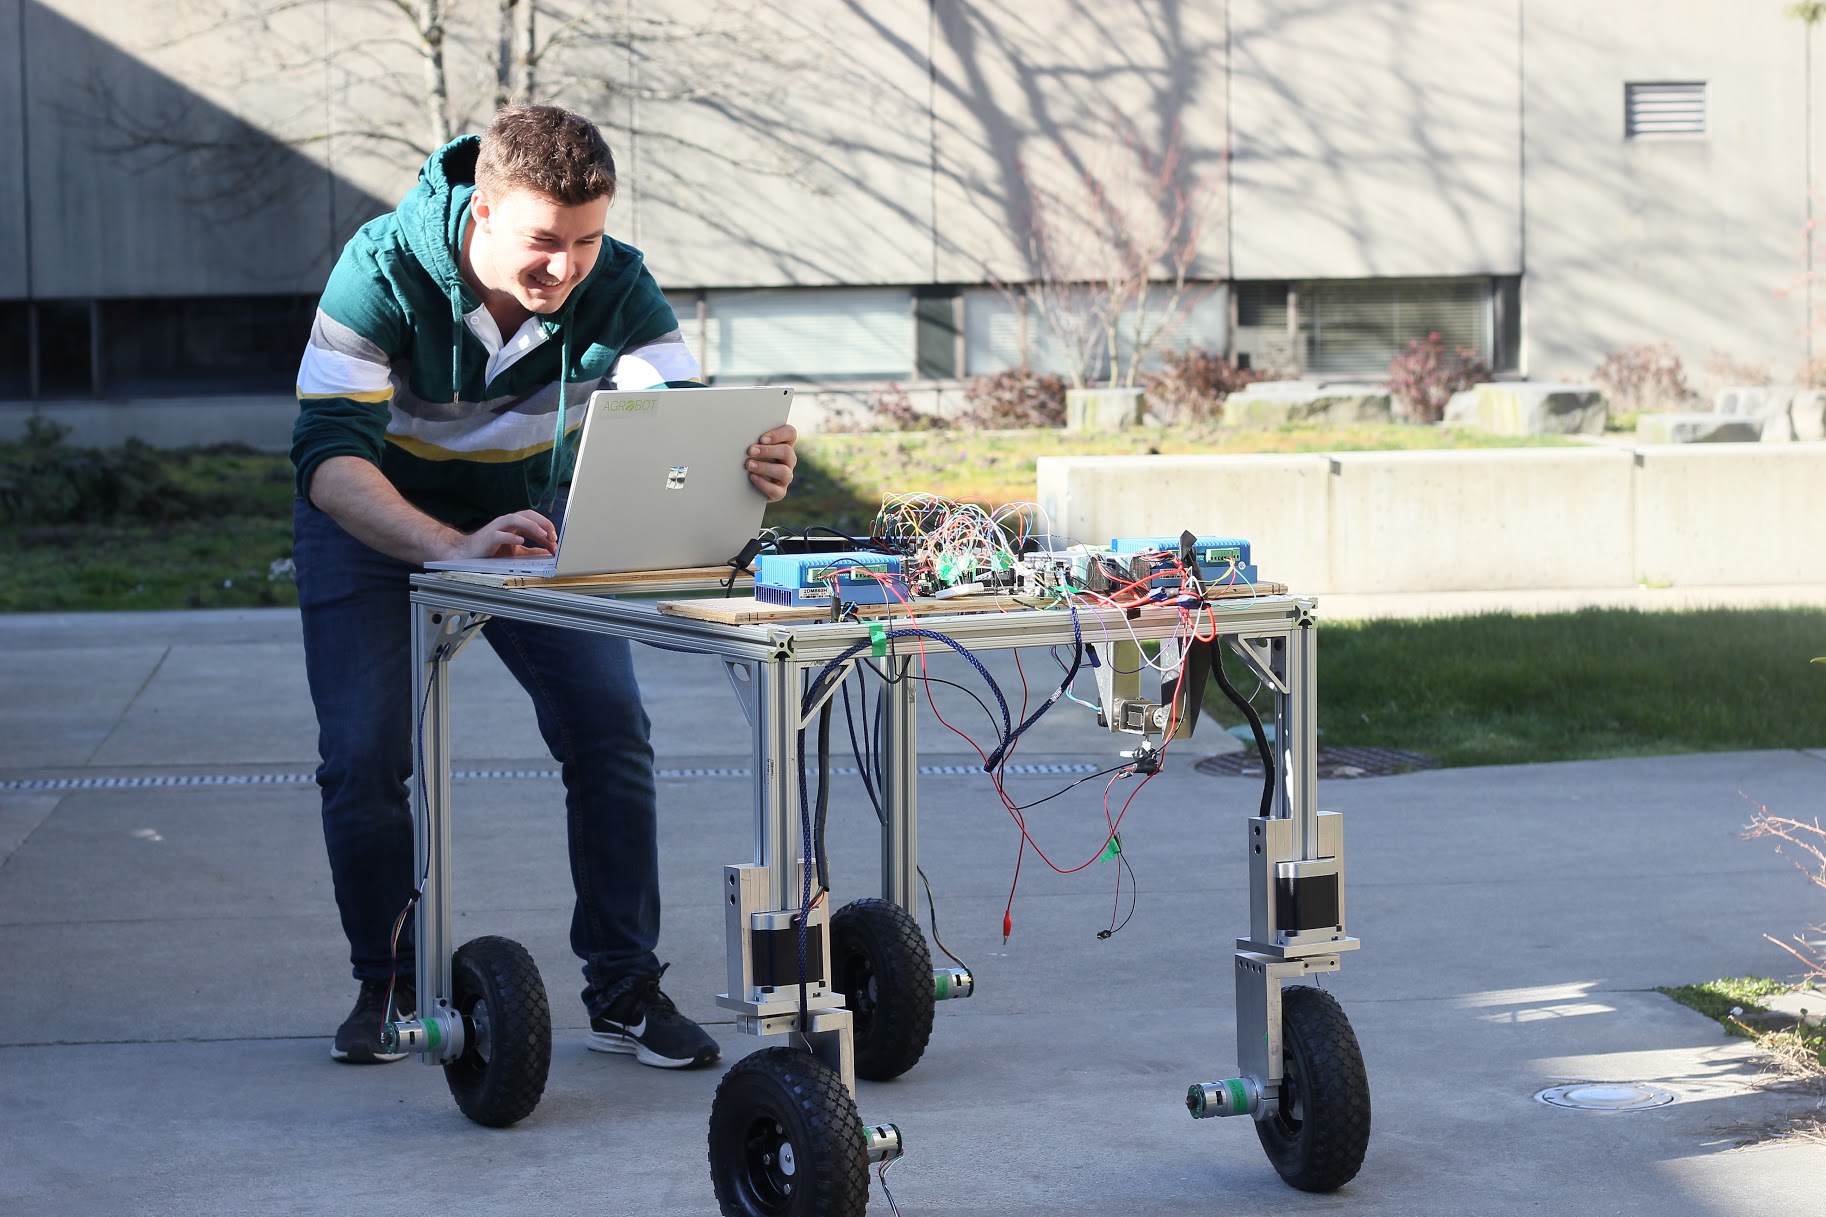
43, 481
1724, 370
1812, 375
1644, 377
1423, 377
892, 410
1013, 399
1192, 384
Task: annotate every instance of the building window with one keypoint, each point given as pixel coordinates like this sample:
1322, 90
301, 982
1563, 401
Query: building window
808, 334
1261, 340
66, 348
937, 333
152, 347
1005, 329
1355, 327
15, 350
208, 344
1664, 108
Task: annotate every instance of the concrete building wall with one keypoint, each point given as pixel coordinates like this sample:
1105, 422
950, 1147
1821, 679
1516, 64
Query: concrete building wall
113, 220
906, 144
1034, 106
816, 172
1687, 240
1375, 139
15, 250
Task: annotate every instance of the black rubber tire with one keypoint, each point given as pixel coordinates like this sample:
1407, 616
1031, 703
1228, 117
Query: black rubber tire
1318, 1136
500, 1077
786, 1099
881, 965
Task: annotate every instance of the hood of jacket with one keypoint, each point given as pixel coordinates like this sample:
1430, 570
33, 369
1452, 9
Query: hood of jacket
434, 214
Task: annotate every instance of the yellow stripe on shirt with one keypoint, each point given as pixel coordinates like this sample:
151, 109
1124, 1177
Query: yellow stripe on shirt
375, 395
484, 456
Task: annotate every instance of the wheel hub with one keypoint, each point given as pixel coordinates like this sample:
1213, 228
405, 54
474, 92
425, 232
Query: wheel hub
772, 1163
483, 1030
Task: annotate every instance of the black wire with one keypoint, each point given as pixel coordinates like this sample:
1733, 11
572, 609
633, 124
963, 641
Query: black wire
1255, 726
939, 680
862, 766
1087, 777
994, 760
869, 762
932, 913
805, 539
1123, 858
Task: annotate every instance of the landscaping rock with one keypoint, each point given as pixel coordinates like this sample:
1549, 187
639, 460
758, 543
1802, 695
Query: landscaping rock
1753, 401
1102, 409
1681, 428
1276, 403
1523, 408
1808, 414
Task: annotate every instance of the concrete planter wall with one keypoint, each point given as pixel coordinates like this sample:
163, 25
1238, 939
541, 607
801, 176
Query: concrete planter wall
1541, 518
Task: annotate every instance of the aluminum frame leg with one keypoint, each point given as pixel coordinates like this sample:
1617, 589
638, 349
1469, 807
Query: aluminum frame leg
900, 756
437, 635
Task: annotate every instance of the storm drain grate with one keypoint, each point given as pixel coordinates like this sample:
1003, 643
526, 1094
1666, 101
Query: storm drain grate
157, 781
1335, 761
1606, 1096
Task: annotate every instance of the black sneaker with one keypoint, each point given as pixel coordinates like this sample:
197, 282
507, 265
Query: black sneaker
358, 1039
642, 1020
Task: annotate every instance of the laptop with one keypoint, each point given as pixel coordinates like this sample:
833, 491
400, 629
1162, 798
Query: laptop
661, 483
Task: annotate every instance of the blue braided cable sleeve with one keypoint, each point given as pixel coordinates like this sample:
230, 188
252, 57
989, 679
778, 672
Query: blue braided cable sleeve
805, 898
815, 691
995, 757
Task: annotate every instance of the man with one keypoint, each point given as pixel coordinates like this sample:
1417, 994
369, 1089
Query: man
455, 346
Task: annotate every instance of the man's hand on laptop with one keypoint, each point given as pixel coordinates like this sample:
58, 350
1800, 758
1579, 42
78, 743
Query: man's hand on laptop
523, 534
771, 460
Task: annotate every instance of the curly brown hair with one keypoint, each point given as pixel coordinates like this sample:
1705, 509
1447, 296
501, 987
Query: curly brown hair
555, 153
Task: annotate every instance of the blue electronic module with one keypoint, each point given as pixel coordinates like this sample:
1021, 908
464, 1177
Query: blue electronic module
1221, 560
857, 577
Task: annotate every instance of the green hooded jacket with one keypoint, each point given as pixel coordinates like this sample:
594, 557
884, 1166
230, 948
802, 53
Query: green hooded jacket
393, 375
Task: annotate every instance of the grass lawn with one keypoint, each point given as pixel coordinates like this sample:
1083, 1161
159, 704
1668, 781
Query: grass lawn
1467, 691
1496, 689
224, 558
229, 521
1718, 998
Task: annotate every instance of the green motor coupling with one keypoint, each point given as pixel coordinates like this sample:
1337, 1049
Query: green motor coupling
949, 984
443, 1037
1230, 1097
883, 1140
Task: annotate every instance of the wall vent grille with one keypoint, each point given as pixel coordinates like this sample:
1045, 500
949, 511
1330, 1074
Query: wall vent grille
1664, 108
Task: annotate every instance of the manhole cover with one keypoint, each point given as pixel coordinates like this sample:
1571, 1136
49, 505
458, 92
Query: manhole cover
1335, 761
1606, 1096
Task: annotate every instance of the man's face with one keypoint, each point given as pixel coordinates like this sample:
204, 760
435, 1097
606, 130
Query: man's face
534, 249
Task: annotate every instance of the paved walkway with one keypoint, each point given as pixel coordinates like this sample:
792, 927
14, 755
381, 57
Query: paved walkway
173, 966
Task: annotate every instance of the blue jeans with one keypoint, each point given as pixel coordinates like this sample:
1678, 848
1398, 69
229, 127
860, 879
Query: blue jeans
358, 657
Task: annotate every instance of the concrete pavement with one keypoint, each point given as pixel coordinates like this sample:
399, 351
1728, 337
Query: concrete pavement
173, 966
